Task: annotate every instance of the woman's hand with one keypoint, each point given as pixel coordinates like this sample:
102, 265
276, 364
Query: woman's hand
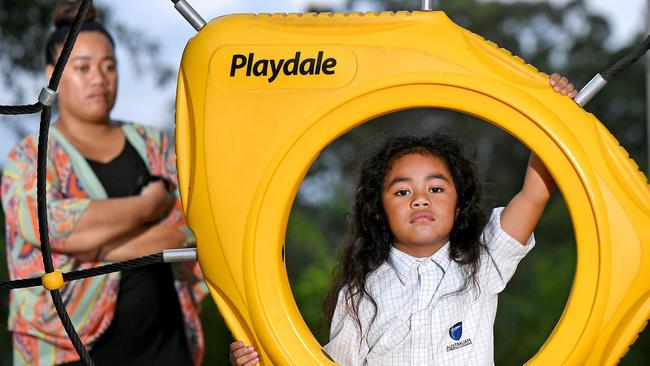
243, 355
562, 85
159, 201
119, 229
153, 239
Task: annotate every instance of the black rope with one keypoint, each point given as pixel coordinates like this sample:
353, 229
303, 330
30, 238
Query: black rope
58, 67
41, 180
41, 193
69, 44
90, 272
114, 267
24, 283
69, 328
21, 109
41, 174
628, 60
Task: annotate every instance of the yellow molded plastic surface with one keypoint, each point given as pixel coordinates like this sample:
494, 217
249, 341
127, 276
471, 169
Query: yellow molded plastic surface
245, 142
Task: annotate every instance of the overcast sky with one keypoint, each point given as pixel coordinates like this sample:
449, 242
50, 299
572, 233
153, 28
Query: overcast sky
141, 101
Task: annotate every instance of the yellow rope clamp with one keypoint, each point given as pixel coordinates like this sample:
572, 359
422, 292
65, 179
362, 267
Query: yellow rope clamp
53, 280
259, 96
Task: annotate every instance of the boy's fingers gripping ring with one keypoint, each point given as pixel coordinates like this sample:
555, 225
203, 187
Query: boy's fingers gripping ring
53, 280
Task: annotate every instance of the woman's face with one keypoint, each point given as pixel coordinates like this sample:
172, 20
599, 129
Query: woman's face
88, 86
419, 199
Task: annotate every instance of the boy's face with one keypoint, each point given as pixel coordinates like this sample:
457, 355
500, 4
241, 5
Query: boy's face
419, 199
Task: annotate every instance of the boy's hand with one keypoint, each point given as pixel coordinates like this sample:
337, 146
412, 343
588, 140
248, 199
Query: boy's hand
562, 85
243, 355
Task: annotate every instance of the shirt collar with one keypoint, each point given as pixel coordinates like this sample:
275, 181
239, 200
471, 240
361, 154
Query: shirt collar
406, 265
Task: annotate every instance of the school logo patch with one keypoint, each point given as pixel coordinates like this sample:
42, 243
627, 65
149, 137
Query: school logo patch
456, 331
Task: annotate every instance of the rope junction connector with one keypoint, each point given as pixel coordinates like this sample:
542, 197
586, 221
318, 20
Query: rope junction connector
188, 12
590, 90
47, 96
53, 280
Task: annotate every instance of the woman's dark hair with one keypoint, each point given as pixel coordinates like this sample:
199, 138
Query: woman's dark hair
63, 17
369, 238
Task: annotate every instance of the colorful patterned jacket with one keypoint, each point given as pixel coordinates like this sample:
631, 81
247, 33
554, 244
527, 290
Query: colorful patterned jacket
38, 336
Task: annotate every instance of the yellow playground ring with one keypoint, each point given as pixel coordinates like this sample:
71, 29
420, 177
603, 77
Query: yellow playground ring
259, 96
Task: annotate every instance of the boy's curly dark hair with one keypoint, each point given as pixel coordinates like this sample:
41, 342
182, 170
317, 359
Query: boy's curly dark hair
369, 238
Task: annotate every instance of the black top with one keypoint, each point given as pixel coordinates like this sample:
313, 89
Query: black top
148, 325
122, 176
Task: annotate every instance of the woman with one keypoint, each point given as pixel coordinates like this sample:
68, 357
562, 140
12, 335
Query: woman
100, 208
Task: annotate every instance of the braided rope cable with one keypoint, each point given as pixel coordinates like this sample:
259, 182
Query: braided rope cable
22, 283
90, 272
21, 109
114, 267
599, 81
44, 106
628, 60
41, 174
41, 180
69, 44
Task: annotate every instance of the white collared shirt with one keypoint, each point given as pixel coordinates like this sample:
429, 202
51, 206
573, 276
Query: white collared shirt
421, 317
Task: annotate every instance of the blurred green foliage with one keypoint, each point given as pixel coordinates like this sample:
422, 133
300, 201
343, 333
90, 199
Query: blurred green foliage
565, 38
